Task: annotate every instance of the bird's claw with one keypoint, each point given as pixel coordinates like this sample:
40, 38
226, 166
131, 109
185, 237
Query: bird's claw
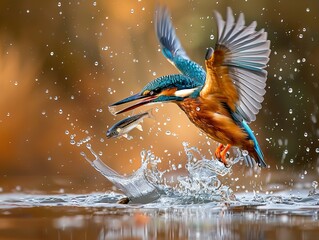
218, 150
222, 154
223, 159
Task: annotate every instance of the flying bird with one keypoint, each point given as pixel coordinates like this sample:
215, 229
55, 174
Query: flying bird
225, 98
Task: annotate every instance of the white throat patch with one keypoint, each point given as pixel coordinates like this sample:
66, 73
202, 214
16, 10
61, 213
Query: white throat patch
185, 92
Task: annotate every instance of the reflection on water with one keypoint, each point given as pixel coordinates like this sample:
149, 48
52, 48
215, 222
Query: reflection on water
285, 215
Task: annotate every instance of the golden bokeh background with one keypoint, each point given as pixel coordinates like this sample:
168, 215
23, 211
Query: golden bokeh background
63, 62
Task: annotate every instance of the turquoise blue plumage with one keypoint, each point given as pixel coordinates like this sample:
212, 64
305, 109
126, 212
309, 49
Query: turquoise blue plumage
172, 48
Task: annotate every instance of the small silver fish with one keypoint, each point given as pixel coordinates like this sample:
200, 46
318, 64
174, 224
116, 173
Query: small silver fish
123, 127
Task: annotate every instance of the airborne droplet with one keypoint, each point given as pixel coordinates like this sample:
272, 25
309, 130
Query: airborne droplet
245, 153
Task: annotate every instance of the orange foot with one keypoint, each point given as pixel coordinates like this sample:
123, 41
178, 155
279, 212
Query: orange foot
223, 154
218, 150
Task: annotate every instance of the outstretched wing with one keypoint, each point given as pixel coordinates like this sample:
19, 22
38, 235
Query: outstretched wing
166, 35
172, 48
240, 58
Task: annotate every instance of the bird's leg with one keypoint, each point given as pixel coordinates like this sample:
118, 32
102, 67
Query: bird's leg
223, 154
218, 150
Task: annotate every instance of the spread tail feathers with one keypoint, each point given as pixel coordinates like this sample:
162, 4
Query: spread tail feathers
256, 154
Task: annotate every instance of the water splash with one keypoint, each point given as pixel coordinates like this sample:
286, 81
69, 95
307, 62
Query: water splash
148, 183
202, 181
135, 186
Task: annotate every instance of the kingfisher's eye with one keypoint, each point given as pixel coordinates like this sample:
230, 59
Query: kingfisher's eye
154, 92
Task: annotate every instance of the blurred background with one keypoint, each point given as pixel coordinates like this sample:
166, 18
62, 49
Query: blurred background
63, 62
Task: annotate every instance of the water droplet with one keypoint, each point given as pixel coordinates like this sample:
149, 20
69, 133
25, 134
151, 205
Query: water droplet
300, 35
60, 111
72, 142
185, 144
245, 153
59, 4
16, 83
290, 111
307, 9
49, 158
314, 184
132, 10
174, 167
305, 134
197, 109
307, 149
66, 132
96, 63
168, 133
290, 90
317, 150
212, 37
154, 73
51, 53
291, 161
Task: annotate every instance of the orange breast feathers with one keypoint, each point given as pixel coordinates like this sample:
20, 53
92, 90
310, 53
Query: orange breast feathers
214, 120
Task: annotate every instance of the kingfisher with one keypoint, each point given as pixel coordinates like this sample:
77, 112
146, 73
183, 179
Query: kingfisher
225, 98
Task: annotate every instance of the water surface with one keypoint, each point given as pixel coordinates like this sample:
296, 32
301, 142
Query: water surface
197, 206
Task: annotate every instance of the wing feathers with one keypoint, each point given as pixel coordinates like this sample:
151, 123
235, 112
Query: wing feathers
166, 35
172, 48
246, 54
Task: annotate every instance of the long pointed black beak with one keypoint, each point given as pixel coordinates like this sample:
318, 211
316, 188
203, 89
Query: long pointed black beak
138, 96
128, 99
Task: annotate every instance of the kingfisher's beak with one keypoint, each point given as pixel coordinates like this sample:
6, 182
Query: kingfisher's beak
138, 96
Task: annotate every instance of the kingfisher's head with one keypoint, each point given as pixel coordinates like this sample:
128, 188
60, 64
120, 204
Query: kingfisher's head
171, 88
